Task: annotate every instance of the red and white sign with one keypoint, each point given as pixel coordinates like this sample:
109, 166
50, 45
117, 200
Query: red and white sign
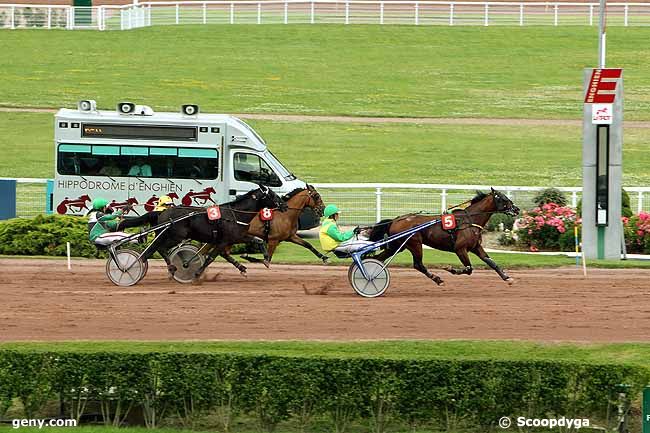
448, 222
214, 213
602, 86
266, 214
602, 114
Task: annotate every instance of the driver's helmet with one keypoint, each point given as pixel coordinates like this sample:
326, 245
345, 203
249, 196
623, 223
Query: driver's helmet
163, 203
99, 203
330, 210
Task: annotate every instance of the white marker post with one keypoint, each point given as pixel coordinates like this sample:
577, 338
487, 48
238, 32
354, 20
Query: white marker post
67, 248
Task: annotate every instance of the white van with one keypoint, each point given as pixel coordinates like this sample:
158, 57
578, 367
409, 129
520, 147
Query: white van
133, 156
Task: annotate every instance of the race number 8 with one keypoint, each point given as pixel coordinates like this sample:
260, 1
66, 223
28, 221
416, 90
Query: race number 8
266, 214
448, 222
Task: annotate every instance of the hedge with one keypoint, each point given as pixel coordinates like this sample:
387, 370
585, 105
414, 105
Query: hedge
449, 394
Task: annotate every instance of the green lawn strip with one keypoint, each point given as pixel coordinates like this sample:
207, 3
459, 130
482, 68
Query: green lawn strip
362, 70
397, 153
287, 253
619, 353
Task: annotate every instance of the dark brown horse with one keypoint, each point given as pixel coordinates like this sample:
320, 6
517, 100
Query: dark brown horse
466, 237
284, 225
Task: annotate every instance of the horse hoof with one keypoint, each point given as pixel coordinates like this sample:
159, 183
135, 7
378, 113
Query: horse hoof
243, 273
171, 269
439, 281
510, 281
326, 260
267, 263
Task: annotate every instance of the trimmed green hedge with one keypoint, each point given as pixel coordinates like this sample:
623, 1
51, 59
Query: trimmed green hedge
46, 235
448, 394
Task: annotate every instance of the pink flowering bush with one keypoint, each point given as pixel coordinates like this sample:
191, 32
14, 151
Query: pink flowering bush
637, 233
546, 227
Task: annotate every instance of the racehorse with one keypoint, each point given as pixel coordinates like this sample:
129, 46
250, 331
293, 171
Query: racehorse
284, 225
466, 237
231, 228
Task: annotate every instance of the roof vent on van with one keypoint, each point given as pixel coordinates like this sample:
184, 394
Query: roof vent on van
87, 105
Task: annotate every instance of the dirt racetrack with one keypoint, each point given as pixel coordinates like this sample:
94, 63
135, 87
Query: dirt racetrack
42, 300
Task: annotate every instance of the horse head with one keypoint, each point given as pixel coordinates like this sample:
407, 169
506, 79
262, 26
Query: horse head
209, 190
172, 195
315, 200
503, 204
266, 197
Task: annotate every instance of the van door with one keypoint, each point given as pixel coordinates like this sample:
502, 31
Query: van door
249, 169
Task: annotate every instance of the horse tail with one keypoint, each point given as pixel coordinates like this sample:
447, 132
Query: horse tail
380, 230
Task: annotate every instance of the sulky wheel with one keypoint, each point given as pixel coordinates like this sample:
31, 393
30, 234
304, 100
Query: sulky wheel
132, 268
187, 261
377, 282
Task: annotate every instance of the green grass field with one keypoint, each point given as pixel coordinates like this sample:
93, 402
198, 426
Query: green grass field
362, 70
332, 152
618, 353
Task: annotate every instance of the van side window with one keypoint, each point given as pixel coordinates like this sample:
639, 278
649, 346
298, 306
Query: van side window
251, 168
137, 161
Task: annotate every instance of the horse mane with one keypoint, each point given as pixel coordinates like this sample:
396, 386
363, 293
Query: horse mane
292, 193
480, 195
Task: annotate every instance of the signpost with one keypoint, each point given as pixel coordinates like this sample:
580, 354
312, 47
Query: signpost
602, 157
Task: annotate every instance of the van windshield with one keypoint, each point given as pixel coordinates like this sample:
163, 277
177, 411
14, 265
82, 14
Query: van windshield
286, 174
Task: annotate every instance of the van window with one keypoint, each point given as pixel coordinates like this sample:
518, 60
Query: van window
251, 168
137, 161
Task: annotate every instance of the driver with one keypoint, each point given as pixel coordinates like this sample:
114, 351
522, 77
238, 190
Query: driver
103, 223
333, 239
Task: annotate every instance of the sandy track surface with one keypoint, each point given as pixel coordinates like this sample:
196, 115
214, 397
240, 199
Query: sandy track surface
42, 300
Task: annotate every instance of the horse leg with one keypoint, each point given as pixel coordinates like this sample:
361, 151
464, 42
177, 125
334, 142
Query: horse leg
230, 259
262, 246
209, 258
303, 243
480, 252
464, 259
416, 251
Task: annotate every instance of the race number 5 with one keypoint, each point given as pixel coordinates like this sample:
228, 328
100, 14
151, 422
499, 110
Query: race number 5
214, 213
266, 214
448, 222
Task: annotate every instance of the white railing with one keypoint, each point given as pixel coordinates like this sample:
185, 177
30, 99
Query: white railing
365, 203
321, 12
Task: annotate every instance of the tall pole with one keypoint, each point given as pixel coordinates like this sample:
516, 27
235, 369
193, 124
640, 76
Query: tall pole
602, 34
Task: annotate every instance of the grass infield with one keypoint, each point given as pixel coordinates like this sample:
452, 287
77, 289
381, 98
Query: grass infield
363, 70
357, 152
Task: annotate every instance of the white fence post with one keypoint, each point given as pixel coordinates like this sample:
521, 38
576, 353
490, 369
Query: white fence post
417, 13
521, 14
12, 18
71, 18
574, 199
555, 10
381, 13
311, 20
443, 200
100, 18
49, 17
591, 15
451, 14
149, 15
486, 22
639, 204
627, 9
232, 13
177, 13
347, 12
286, 12
205, 13
378, 204
259, 13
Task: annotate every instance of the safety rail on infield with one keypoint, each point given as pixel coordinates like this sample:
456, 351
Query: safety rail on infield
365, 203
450, 13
